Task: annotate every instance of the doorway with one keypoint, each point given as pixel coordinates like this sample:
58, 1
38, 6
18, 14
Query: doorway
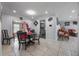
16, 27
42, 29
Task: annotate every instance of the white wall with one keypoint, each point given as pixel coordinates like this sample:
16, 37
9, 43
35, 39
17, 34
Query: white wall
0, 39
7, 22
72, 26
50, 31
0, 31
37, 28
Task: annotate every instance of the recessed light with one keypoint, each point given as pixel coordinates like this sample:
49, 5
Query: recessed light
14, 11
46, 12
30, 12
73, 11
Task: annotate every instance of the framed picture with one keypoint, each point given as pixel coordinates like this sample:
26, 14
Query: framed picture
50, 19
67, 23
75, 22
35, 23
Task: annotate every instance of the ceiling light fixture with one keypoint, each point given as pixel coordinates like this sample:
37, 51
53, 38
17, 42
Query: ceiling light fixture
73, 11
46, 12
14, 11
30, 12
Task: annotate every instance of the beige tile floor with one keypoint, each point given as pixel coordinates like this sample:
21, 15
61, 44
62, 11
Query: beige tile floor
47, 47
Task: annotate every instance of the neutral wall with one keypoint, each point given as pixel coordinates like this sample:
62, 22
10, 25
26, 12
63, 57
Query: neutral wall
72, 26
37, 28
0, 31
7, 23
51, 32
0, 39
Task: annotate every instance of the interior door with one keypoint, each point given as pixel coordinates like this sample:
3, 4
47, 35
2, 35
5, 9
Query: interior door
42, 29
16, 27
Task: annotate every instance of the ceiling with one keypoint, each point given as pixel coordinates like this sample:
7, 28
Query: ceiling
63, 10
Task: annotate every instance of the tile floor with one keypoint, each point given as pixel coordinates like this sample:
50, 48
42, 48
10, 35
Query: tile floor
47, 47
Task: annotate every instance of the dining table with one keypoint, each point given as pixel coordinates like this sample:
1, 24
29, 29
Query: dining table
31, 37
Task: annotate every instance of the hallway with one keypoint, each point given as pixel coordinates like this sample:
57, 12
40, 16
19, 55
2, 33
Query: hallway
46, 48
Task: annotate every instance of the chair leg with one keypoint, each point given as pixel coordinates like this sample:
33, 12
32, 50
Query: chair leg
58, 38
38, 41
9, 42
3, 41
25, 46
68, 38
62, 37
19, 46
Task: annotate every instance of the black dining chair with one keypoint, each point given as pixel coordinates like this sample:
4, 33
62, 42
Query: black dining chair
5, 36
22, 38
35, 36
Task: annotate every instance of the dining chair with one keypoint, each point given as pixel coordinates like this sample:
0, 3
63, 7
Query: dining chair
22, 38
35, 36
5, 36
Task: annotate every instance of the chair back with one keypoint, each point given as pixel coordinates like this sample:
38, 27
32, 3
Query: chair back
5, 34
22, 35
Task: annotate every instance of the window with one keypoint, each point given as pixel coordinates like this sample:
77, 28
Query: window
67, 23
75, 22
16, 28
